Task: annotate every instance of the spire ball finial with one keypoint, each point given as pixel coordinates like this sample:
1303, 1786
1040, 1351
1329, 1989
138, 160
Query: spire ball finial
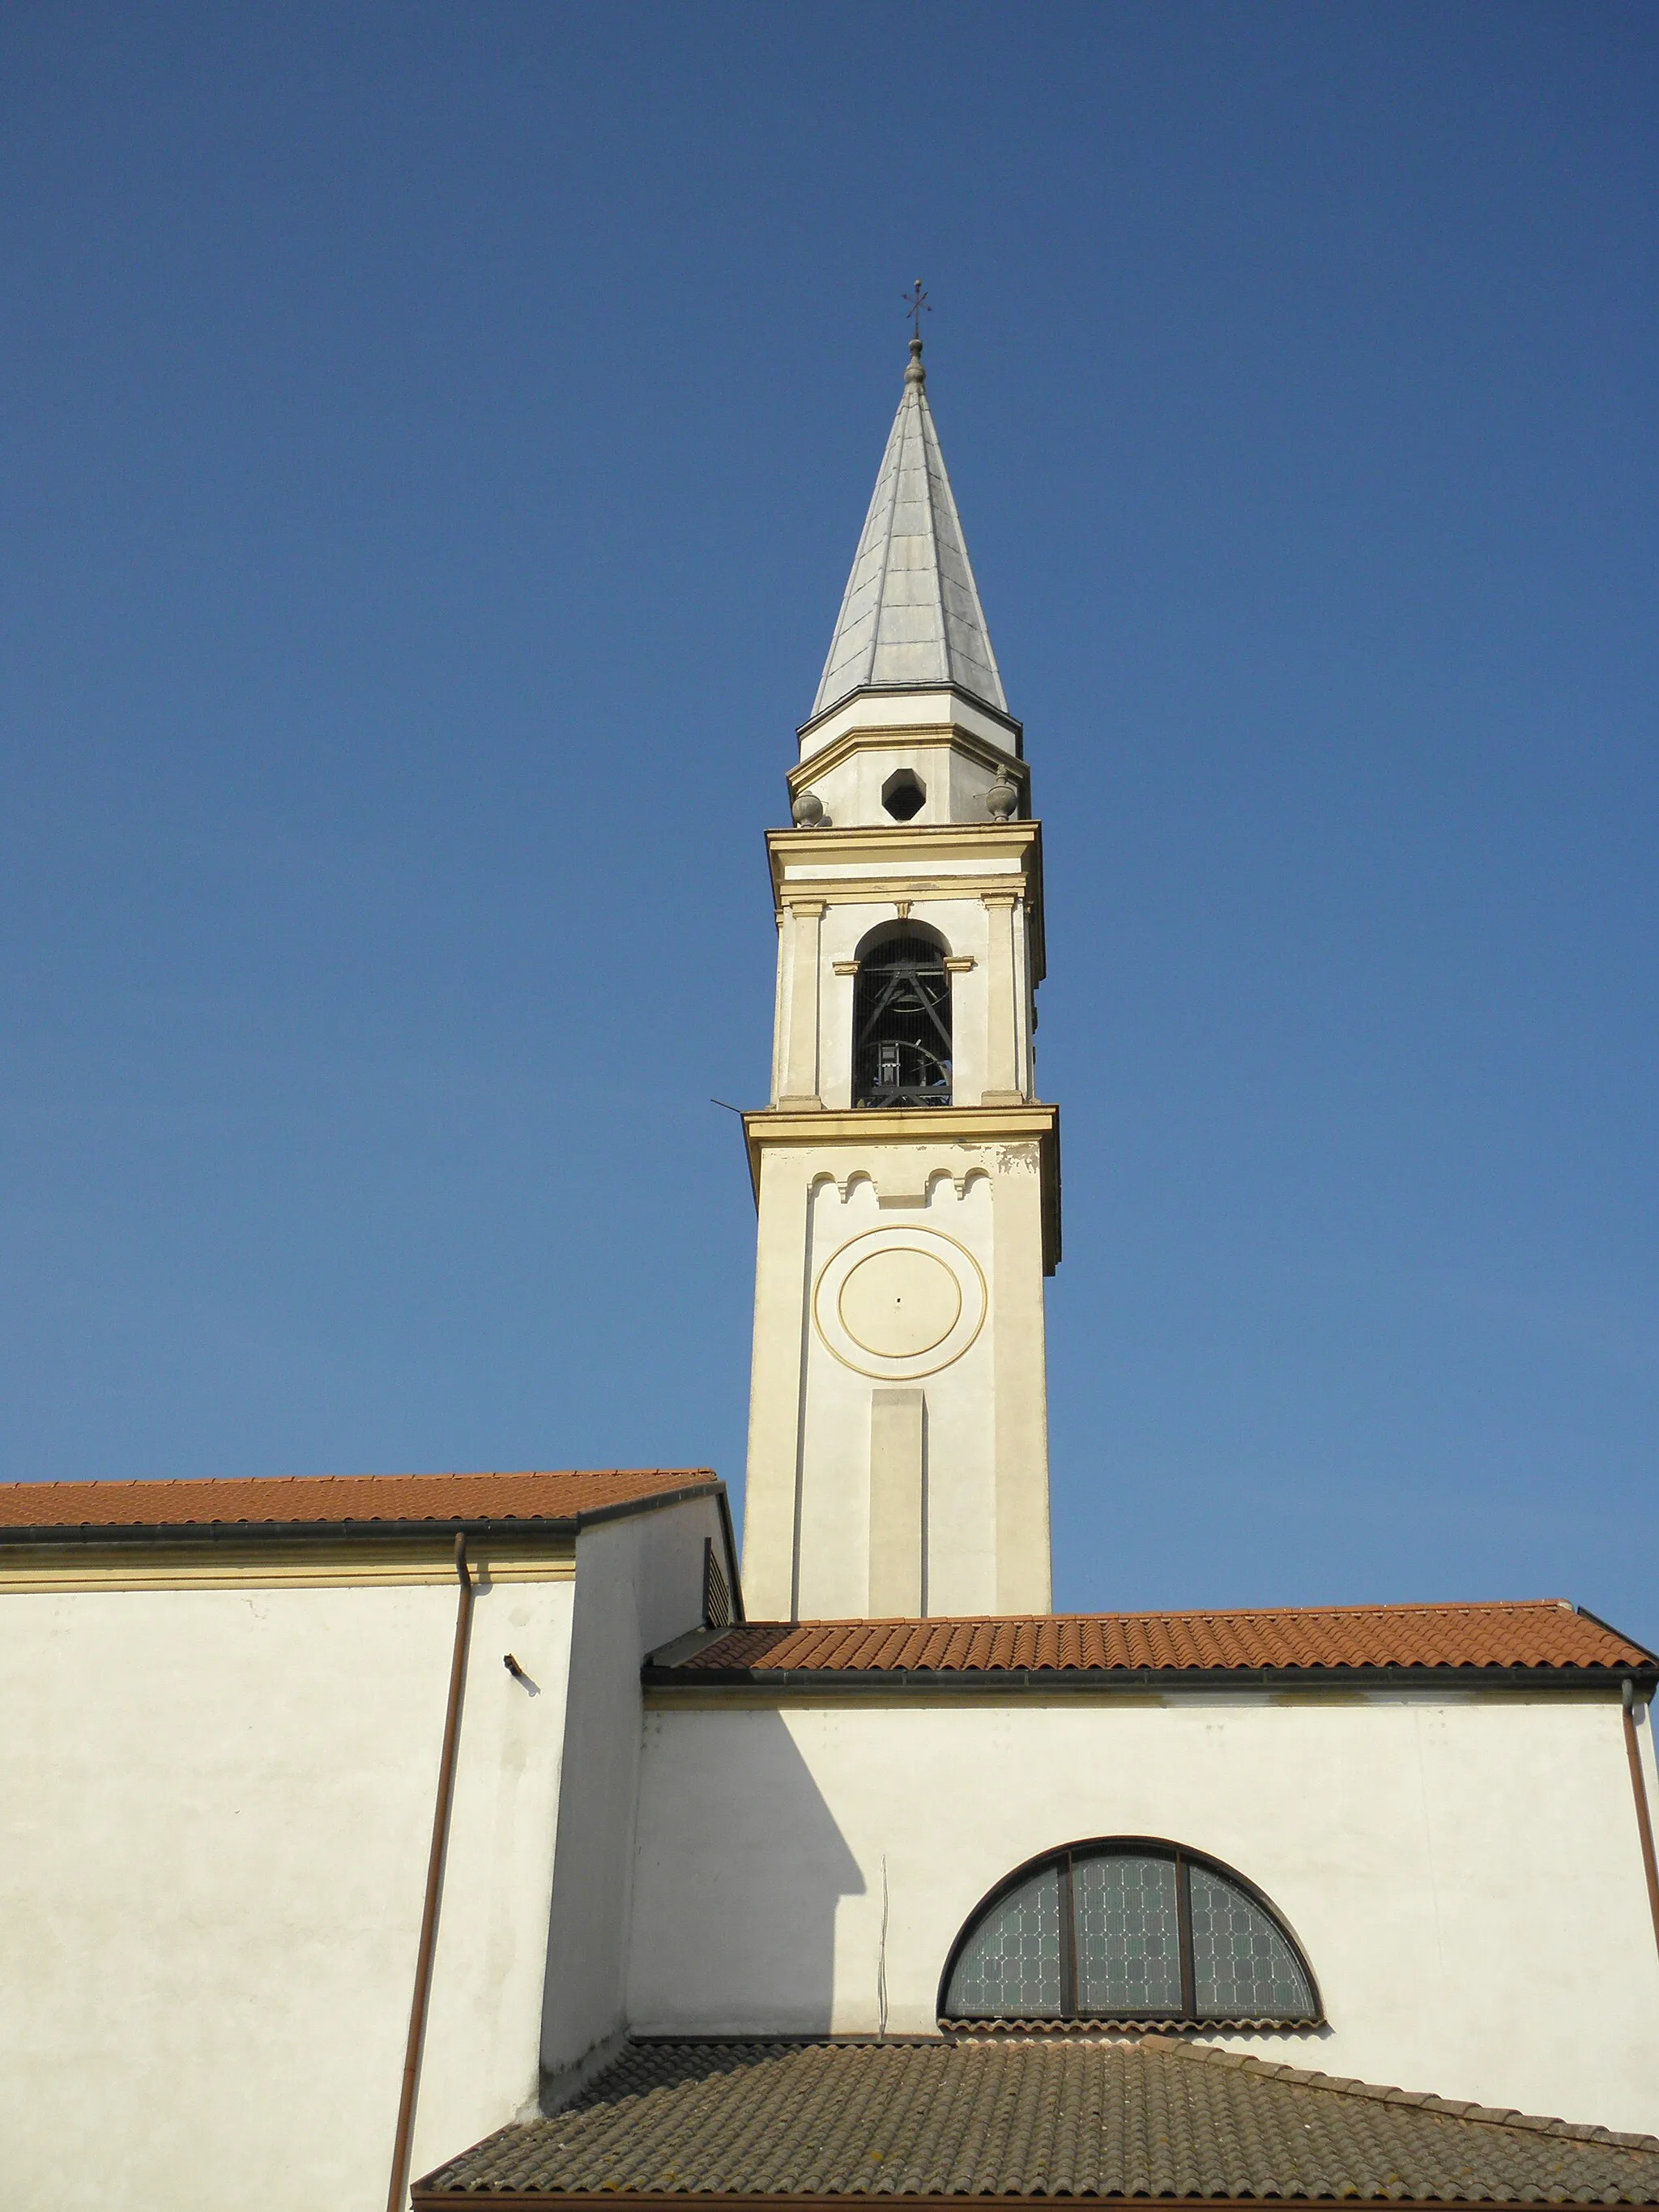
915, 306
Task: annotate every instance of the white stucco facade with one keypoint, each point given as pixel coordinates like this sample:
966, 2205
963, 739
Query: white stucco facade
1464, 1873
218, 1800
970, 1205
639, 1583
215, 1819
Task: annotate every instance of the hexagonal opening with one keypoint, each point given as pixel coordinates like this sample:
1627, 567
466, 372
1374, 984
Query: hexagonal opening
904, 795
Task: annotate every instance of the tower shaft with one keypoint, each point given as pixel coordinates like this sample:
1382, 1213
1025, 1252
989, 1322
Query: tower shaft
906, 1175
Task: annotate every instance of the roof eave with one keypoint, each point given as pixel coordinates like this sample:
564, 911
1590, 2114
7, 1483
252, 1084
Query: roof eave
1011, 723
545, 2200
438, 1525
1095, 1681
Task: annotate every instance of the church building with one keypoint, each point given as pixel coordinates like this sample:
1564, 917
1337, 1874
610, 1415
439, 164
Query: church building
508, 1840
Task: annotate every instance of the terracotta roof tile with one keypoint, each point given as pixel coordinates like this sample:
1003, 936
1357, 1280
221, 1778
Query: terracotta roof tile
1547, 1633
329, 1499
1005, 2117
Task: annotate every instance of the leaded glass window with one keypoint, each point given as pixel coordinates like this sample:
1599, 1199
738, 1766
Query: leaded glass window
1128, 1930
1128, 1934
1012, 1965
1241, 1964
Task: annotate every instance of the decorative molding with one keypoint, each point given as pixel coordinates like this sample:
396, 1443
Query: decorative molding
901, 909
903, 1182
914, 837
958, 964
919, 737
1026, 1122
879, 890
917, 860
330, 1563
951, 698
851, 966
917, 1125
948, 1255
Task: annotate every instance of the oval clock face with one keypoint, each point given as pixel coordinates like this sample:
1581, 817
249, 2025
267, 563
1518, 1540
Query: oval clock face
896, 1304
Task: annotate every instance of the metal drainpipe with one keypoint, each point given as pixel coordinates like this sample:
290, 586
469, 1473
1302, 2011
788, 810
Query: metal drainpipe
434, 1873
1644, 1822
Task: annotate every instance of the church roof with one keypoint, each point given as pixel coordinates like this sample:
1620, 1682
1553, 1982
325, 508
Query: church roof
911, 613
40, 1508
1008, 2117
1548, 1635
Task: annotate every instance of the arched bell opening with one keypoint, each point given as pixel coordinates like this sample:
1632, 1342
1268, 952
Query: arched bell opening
902, 1018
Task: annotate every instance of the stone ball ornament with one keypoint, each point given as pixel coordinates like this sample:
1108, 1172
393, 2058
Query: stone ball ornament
1001, 800
898, 1303
807, 810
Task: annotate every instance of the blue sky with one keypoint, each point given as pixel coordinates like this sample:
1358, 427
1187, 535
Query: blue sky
436, 438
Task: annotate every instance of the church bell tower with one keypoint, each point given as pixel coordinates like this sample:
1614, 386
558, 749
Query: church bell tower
907, 1176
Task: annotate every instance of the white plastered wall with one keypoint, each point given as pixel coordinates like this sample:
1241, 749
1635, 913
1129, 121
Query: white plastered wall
215, 1819
1464, 1876
218, 1805
960, 1479
987, 1546
639, 1585
955, 783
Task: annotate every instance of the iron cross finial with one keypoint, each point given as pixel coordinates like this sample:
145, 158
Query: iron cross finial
915, 306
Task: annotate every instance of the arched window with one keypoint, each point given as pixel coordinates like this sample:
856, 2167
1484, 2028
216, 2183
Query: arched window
1130, 1930
902, 1019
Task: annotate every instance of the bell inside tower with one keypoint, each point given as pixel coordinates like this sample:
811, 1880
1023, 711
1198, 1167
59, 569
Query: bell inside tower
902, 1019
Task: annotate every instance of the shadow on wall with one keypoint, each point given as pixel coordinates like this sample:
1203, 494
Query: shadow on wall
739, 1873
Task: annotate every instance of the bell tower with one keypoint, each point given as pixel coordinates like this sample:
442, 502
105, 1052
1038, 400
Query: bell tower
907, 1176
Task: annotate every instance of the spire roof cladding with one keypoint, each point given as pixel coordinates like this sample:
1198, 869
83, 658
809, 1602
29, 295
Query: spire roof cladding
911, 613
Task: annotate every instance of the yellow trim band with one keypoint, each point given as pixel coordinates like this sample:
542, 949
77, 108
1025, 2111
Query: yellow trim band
362, 1563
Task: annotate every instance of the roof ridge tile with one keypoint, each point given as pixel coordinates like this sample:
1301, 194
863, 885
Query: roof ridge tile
1379, 2093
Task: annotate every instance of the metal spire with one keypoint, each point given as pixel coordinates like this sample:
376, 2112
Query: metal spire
911, 614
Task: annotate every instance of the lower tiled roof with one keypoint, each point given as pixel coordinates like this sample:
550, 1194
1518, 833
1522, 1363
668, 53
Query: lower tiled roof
1544, 1634
326, 1500
1007, 2118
